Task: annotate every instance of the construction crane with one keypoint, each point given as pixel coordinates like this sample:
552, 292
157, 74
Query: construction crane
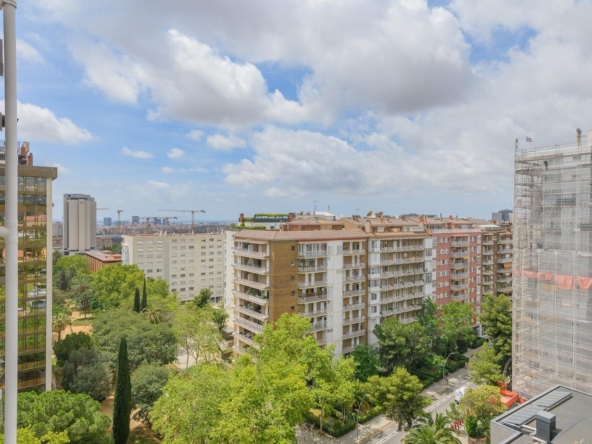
192, 216
166, 218
119, 221
99, 209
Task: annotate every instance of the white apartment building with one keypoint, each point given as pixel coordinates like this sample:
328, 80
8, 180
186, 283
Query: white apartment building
80, 223
188, 262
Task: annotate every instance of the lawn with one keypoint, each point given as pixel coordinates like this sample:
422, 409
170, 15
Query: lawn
88, 321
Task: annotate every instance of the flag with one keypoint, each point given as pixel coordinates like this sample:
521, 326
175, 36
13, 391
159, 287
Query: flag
528, 139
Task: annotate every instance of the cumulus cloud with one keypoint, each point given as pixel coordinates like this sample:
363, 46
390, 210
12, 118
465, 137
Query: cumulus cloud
175, 153
137, 154
195, 134
27, 52
194, 170
221, 142
41, 124
168, 170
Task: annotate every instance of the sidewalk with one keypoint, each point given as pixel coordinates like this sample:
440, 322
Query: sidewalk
374, 426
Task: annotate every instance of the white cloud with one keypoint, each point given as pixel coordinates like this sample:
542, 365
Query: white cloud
157, 184
194, 170
168, 170
41, 124
221, 142
175, 153
195, 134
27, 52
61, 168
137, 154
163, 192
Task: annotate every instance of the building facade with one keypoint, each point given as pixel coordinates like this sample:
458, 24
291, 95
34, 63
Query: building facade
552, 302
35, 275
99, 259
188, 262
80, 223
107, 221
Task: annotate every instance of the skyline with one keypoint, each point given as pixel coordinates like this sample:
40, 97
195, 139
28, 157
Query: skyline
394, 106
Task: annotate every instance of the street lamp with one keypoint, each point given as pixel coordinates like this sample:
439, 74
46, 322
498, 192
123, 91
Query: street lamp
358, 416
444, 366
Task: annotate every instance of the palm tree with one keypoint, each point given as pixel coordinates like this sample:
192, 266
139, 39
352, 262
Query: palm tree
59, 323
432, 431
152, 314
80, 284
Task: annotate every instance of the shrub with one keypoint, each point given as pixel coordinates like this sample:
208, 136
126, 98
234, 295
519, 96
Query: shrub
472, 426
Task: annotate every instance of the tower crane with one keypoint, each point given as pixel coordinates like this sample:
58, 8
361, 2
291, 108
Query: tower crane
119, 221
192, 216
166, 218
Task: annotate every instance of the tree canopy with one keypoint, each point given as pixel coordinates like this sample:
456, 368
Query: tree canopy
85, 372
457, 325
402, 344
496, 318
483, 366
367, 360
71, 342
148, 381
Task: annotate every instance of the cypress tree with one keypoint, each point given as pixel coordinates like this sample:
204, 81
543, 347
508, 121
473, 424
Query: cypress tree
122, 403
137, 308
144, 296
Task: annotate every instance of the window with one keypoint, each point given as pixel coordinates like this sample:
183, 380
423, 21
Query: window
293, 248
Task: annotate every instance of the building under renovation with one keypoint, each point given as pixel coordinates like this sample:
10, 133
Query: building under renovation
552, 331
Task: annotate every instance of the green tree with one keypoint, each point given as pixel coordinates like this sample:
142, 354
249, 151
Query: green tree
154, 315
402, 344
431, 430
75, 261
85, 372
60, 411
428, 318
483, 367
457, 325
74, 341
496, 318
147, 343
122, 402
220, 316
484, 403
26, 436
85, 301
63, 283
367, 360
197, 333
203, 298
59, 323
399, 396
137, 304
115, 284
144, 303
147, 381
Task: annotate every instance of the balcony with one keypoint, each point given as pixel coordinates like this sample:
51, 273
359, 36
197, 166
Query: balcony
251, 297
318, 326
360, 292
354, 334
459, 254
487, 262
317, 253
252, 284
488, 282
349, 349
353, 306
310, 284
353, 320
505, 280
458, 276
354, 251
251, 268
355, 278
459, 265
388, 274
505, 241
241, 337
251, 313
314, 313
504, 260
250, 253
388, 262
462, 286
318, 268
249, 324
487, 242
315, 298
461, 243
387, 300
354, 265
487, 272
409, 260
322, 340
505, 289
407, 320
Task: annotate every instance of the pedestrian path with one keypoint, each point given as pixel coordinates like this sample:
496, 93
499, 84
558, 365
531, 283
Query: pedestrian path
366, 431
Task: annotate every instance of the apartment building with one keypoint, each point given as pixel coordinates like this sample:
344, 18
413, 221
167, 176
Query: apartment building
80, 223
344, 277
35, 272
552, 299
188, 262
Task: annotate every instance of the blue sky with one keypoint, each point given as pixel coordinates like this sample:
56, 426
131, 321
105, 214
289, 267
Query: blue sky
390, 105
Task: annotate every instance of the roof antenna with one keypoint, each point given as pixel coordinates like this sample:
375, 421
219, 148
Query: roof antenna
315, 208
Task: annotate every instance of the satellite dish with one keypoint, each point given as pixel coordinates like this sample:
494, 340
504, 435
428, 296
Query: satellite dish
379, 214
369, 214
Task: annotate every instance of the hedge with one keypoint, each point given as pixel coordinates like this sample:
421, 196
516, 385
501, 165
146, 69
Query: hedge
336, 430
478, 342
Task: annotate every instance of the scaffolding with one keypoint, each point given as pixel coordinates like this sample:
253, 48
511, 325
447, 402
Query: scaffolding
552, 298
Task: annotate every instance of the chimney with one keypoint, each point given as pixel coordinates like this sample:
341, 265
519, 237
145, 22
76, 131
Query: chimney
368, 226
241, 218
545, 426
579, 137
291, 217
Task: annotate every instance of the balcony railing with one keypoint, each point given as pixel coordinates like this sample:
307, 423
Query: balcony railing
310, 284
487, 272
504, 280
252, 268
312, 269
457, 276
387, 300
315, 298
389, 312
409, 260
354, 292
459, 254
505, 241
460, 243
354, 251
348, 349
353, 306
252, 284
460, 286
504, 260
249, 312
354, 334
487, 242
250, 253
459, 265
244, 338
505, 288
407, 320
355, 278
318, 253
314, 313
354, 265
353, 320
318, 326
248, 324
251, 297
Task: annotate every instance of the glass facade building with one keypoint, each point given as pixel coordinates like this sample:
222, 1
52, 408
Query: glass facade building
35, 281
